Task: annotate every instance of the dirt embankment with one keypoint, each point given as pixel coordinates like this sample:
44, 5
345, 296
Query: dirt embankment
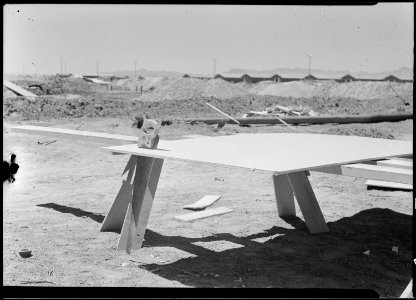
76, 106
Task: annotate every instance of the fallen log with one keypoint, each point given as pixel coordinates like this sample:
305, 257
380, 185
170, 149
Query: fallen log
303, 119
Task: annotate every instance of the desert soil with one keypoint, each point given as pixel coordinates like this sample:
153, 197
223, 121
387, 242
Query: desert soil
63, 191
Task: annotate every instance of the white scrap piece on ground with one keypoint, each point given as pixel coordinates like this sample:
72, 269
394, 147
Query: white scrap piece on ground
388, 184
203, 203
204, 214
17, 89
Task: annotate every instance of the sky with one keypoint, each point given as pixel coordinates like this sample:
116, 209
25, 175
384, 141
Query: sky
187, 38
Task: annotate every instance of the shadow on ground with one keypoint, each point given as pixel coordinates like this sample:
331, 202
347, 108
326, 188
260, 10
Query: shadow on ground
75, 211
286, 258
330, 260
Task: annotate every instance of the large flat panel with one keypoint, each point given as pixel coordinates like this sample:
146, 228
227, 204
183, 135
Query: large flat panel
275, 152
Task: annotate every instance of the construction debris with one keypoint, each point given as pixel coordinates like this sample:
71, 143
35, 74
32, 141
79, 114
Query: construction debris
278, 110
296, 120
203, 203
228, 116
17, 89
204, 214
46, 142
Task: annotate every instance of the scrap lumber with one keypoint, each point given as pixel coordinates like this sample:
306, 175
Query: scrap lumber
203, 203
398, 175
395, 163
389, 185
408, 158
304, 119
284, 109
284, 123
228, 116
17, 89
204, 214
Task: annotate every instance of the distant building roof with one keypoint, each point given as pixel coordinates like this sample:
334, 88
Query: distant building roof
232, 75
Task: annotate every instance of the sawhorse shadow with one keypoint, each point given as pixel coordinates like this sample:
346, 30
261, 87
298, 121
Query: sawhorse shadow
294, 258
75, 211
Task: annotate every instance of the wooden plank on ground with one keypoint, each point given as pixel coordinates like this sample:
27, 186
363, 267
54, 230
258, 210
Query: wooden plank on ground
204, 213
371, 172
17, 89
395, 163
388, 184
203, 203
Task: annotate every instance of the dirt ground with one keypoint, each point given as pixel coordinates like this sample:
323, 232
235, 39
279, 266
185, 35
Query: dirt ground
63, 191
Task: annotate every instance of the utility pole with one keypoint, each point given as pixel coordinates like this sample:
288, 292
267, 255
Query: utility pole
61, 65
135, 68
97, 66
215, 63
309, 72
65, 68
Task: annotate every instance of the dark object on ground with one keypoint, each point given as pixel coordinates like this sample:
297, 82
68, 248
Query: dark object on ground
137, 122
307, 119
25, 253
10, 169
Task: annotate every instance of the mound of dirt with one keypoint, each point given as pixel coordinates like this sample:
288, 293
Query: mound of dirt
295, 89
96, 105
360, 90
147, 84
366, 132
56, 85
364, 90
57, 107
193, 88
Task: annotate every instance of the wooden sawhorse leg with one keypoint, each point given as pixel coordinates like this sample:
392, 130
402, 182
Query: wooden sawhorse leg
130, 211
297, 183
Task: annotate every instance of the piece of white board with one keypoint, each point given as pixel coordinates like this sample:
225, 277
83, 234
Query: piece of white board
396, 163
203, 203
204, 213
368, 171
388, 184
17, 89
275, 152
